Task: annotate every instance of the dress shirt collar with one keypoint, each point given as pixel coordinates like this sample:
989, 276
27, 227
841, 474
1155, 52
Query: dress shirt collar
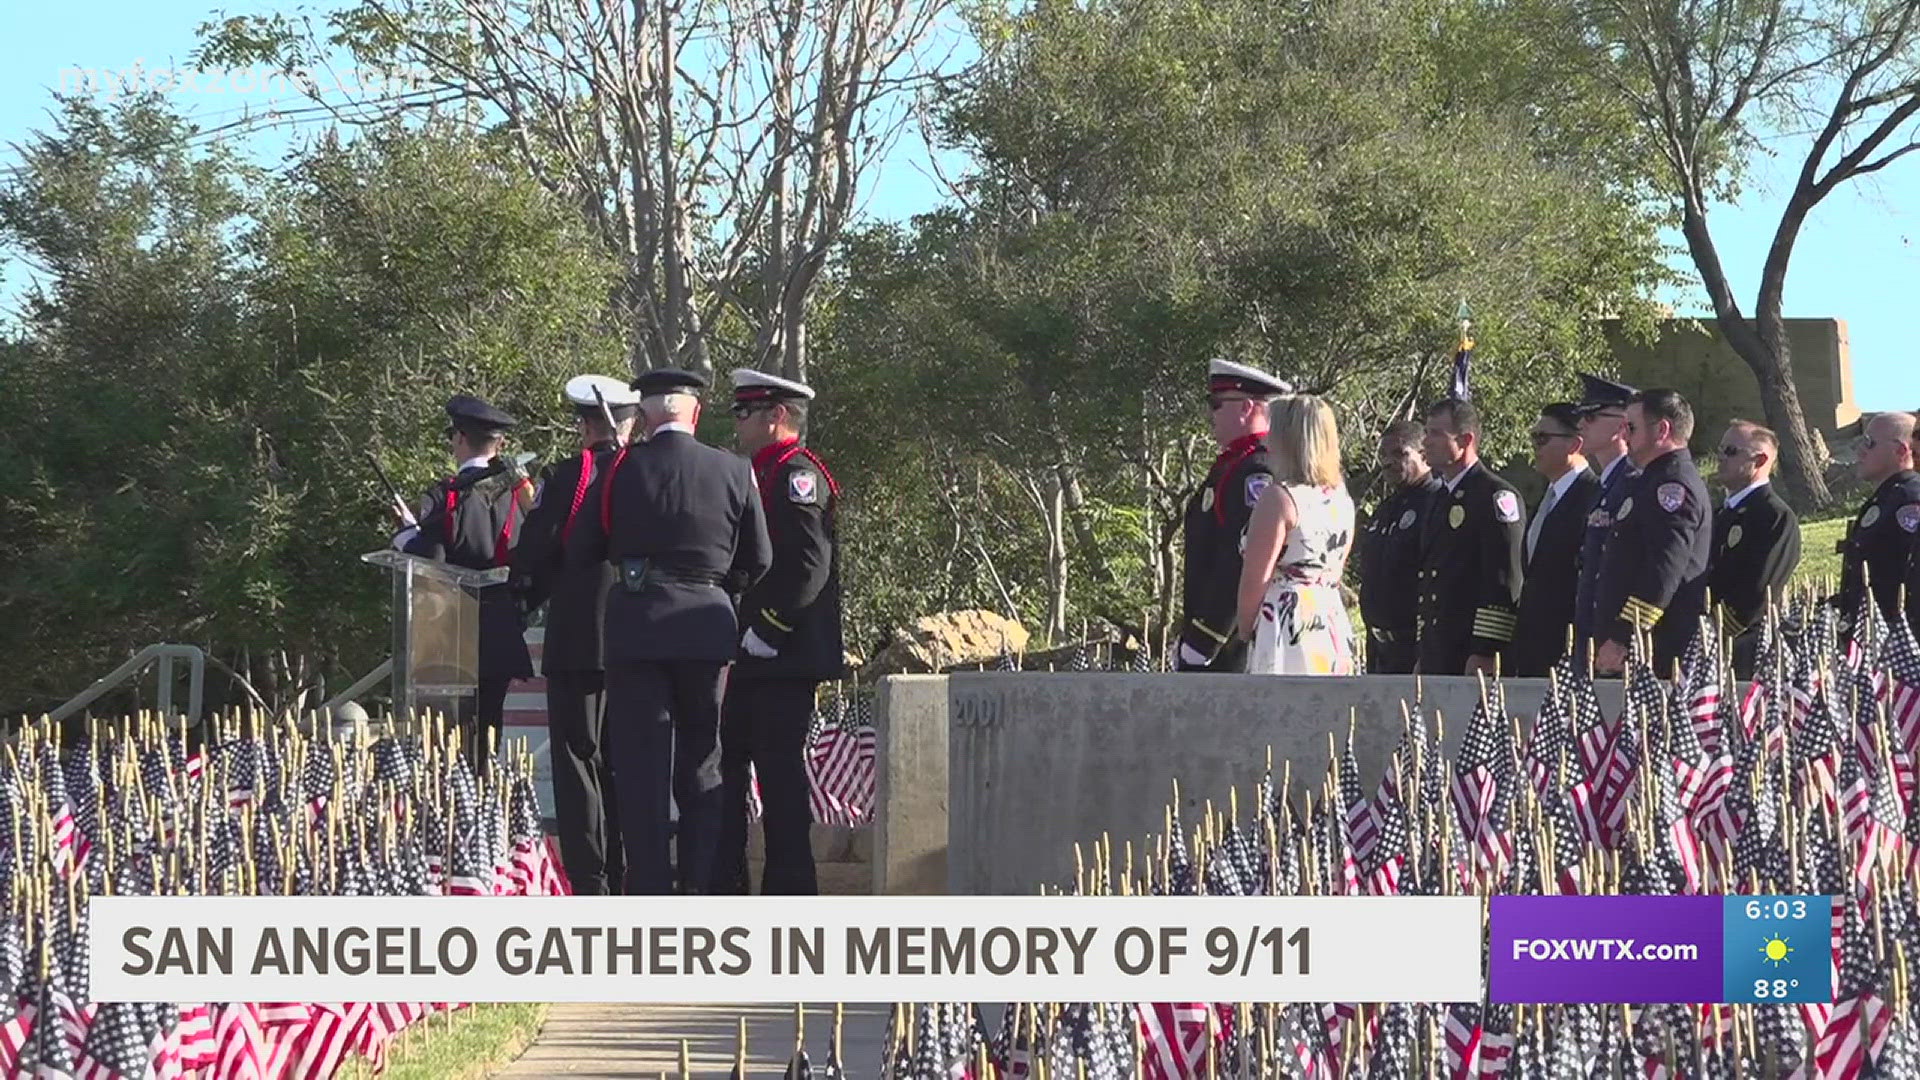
1740, 496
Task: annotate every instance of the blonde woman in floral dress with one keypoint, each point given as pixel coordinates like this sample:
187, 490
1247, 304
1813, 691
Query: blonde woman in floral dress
1296, 548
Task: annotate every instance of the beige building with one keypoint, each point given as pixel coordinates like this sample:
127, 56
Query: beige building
1691, 356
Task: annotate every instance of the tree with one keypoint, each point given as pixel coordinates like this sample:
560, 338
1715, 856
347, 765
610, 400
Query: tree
1700, 76
211, 350
717, 149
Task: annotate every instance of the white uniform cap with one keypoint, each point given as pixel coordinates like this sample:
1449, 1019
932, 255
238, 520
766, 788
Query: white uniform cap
749, 385
580, 390
1227, 375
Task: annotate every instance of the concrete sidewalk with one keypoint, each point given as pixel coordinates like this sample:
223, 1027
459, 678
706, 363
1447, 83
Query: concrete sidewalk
644, 1040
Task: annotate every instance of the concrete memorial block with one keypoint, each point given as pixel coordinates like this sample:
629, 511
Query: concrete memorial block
1035, 763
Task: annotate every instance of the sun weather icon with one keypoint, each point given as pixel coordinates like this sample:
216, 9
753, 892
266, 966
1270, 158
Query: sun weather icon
1776, 950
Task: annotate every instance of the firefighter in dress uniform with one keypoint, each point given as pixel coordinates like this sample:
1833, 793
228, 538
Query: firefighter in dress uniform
472, 519
1217, 513
1470, 555
683, 526
1653, 578
791, 645
1881, 540
1603, 435
1756, 540
1390, 553
574, 591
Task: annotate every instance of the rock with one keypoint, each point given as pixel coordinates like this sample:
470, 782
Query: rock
950, 638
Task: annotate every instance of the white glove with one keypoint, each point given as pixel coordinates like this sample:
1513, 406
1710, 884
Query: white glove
1191, 656
756, 647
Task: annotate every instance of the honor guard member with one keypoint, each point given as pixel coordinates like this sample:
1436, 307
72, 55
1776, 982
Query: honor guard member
791, 644
1555, 531
472, 519
682, 524
575, 593
1756, 540
1880, 541
1653, 576
1390, 553
1603, 437
1217, 513
1471, 554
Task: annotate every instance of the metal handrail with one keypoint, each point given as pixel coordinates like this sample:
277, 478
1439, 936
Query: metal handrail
166, 654
366, 683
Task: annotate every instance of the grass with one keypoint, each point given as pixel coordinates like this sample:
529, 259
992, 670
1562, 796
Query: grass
1818, 561
465, 1044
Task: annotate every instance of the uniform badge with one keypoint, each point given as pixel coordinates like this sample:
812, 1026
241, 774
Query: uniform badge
1871, 515
1256, 484
1626, 507
1672, 497
1206, 498
1909, 517
1406, 519
1506, 506
1733, 536
801, 487
1456, 515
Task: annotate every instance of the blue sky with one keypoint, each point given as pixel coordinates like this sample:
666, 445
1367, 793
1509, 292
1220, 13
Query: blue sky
1856, 259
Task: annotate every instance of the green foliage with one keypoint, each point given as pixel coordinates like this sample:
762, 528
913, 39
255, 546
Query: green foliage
212, 352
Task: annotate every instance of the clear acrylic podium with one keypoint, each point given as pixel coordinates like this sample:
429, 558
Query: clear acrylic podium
436, 631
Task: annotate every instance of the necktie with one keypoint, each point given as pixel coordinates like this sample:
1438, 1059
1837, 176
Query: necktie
1546, 507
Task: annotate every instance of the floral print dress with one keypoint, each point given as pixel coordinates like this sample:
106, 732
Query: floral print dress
1303, 628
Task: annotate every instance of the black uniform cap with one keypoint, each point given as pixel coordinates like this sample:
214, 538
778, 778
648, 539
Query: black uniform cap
469, 413
1597, 394
667, 381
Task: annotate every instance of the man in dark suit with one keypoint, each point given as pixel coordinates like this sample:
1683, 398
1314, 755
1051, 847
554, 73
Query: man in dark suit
1756, 539
1217, 513
472, 519
1654, 576
575, 592
1470, 556
1390, 553
1555, 531
1882, 538
682, 524
1603, 438
792, 642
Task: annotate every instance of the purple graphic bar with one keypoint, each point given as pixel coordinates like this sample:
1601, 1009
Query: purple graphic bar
1632, 950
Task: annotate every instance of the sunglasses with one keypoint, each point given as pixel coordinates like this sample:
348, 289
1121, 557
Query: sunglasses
1731, 452
1542, 438
741, 412
1215, 401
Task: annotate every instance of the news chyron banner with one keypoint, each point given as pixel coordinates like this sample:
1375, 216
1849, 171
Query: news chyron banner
749, 950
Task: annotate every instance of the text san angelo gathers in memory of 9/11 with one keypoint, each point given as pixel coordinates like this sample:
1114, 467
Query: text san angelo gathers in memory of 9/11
700, 950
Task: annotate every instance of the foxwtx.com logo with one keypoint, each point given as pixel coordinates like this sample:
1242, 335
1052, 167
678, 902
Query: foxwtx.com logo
1600, 949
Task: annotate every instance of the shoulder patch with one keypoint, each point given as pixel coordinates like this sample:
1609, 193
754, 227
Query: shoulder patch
1672, 497
1256, 484
1871, 515
802, 486
1506, 507
1909, 517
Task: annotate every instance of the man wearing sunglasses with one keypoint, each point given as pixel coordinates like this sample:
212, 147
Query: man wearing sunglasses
472, 519
1653, 578
1217, 514
1880, 542
1756, 539
1603, 437
1554, 534
791, 644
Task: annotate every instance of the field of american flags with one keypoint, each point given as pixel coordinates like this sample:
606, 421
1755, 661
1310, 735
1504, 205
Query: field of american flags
1802, 782
261, 809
